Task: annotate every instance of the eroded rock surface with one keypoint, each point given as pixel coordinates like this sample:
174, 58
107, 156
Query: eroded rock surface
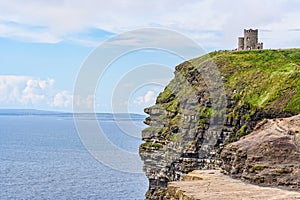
268, 156
212, 185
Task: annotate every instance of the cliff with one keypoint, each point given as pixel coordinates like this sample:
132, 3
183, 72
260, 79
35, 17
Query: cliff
269, 156
212, 101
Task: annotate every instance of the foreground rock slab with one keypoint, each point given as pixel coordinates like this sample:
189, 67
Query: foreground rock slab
269, 156
213, 185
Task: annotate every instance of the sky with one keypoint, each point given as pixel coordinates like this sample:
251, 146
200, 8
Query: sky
45, 44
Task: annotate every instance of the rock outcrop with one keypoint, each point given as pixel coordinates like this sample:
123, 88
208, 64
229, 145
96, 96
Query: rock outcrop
268, 156
212, 101
211, 184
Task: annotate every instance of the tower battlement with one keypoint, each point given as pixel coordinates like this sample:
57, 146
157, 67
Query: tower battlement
251, 31
250, 40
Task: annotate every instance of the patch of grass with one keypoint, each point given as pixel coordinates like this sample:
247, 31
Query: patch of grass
242, 131
282, 170
261, 77
206, 112
174, 137
294, 104
151, 144
165, 96
259, 167
173, 106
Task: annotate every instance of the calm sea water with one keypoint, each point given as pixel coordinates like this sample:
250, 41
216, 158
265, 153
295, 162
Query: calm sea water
42, 157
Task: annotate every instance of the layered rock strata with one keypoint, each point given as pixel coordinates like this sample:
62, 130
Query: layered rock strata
268, 156
212, 101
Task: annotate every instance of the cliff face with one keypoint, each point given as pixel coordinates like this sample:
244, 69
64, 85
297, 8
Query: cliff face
214, 100
270, 155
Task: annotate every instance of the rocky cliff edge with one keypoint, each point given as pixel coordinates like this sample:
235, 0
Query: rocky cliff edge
212, 101
269, 156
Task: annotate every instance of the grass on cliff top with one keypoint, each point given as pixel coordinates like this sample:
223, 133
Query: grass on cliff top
268, 79
257, 80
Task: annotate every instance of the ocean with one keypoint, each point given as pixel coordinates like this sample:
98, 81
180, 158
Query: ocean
42, 157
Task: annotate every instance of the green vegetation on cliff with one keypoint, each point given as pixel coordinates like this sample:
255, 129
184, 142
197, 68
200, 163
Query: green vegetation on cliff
212, 101
268, 79
261, 83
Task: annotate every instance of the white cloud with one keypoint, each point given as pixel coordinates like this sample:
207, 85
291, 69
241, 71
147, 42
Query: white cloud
148, 98
27, 34
63, 99
33, 92
10, 88
210, 22
36, 91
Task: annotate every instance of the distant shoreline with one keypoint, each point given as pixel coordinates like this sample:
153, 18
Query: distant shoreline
34, 112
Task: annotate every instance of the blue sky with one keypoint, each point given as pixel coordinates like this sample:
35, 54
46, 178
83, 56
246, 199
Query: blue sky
45, 43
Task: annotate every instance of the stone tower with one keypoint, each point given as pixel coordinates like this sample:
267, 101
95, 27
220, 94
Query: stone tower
241, 43
249, 41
